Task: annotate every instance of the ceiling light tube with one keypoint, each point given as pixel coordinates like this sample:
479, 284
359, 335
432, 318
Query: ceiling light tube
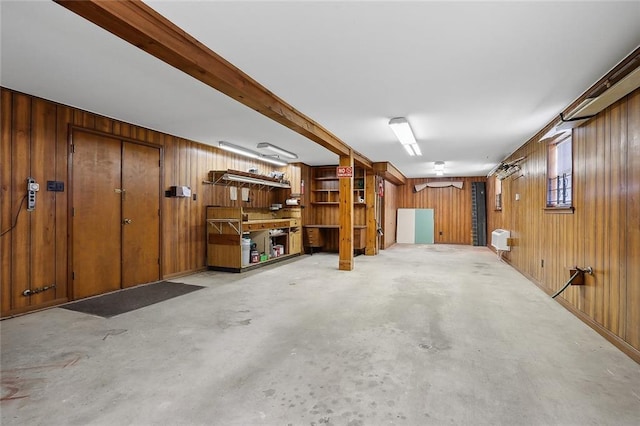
439, 165
409, 150
272, 160
277, 150
237, 149
251, 154
402, 130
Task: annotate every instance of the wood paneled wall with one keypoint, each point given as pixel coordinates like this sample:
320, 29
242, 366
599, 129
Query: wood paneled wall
308, 214
603, 232
389, 214
35, 143
452, 207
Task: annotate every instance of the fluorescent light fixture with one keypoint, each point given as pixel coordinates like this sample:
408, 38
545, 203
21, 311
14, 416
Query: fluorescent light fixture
277, 150
402, 130
438, 166
251, 154
273, 160
237, 149
439, 172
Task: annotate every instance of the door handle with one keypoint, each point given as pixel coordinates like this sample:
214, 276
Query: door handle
127, 221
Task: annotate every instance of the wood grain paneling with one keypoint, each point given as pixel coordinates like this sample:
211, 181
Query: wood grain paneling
390, 206
452, 207
43, 243
21, 169
603, 232
7, 209
632, 334
35, 137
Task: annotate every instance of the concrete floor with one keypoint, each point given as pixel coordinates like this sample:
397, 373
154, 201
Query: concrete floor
415, 336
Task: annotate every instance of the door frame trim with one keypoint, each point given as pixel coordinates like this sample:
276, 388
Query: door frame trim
75, 128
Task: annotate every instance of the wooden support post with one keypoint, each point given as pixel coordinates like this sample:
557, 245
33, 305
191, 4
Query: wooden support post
372, 226
345, 214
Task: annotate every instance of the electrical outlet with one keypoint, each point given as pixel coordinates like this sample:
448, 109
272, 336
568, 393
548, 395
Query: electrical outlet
32, 188
55, 186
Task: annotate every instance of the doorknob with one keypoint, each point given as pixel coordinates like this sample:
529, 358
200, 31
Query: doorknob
127, 221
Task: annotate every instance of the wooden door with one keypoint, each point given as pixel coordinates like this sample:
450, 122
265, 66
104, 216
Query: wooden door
96, 215
140, 214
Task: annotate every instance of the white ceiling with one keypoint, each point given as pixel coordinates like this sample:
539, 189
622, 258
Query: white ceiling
474, 79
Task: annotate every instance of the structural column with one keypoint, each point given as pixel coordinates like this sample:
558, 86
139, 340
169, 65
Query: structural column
346, 216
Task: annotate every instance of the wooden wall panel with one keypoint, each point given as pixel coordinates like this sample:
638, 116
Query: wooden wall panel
20, 236
390, 207
632, 334
43, 243
6, 200
64, 116
452, 207
603, 232
35, 143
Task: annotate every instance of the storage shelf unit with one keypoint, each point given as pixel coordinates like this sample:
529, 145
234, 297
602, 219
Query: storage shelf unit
326, 185
321, 231
226, 226
235, 177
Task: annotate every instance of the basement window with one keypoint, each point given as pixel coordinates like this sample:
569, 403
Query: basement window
559, 174
498, 192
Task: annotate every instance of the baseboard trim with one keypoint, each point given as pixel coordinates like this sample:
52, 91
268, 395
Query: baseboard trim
31, 309
617, 341
183, 273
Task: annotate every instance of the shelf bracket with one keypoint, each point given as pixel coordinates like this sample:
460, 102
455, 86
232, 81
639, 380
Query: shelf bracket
217, 224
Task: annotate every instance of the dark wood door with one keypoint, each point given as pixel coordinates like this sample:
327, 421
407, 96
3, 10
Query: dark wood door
140, 214
96, 214
115, 214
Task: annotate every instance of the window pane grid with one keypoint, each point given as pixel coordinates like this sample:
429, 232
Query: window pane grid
559, 190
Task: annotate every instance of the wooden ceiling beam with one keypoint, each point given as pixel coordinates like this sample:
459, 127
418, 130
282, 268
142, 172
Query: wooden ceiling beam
389, 172
140, 25
362, 161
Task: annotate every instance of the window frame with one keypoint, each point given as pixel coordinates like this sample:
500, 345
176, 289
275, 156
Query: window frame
563, 179
498, 195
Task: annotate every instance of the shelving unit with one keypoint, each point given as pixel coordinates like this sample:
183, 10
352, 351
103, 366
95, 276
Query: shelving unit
322, 230
236, 177
325, 189
226, 226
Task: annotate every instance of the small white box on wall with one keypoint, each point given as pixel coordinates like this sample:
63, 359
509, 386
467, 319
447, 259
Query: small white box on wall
179, 191
499, 239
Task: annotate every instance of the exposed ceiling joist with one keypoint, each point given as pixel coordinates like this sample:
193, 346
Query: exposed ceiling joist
140, 25
389, 172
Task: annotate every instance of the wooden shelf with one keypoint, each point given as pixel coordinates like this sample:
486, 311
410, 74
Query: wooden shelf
237, 177
325, 185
